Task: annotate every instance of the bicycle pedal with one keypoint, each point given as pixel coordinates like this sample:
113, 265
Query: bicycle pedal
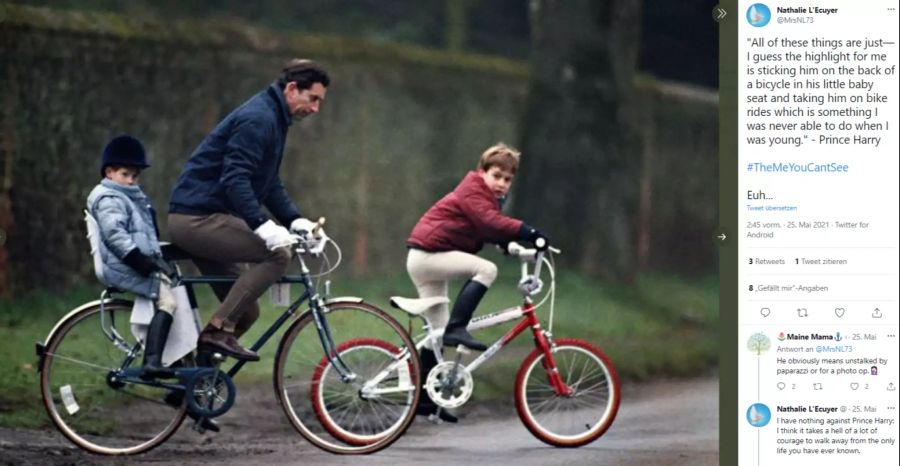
435, 419
462, 349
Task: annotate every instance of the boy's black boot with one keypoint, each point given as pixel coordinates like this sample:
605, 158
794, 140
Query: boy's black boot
426, 407
455, 333
156, 342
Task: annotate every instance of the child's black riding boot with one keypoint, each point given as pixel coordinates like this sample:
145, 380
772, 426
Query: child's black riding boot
153, 350
455, 333
426, 407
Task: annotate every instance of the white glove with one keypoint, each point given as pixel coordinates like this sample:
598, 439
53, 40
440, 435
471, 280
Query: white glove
275, 236
302, 225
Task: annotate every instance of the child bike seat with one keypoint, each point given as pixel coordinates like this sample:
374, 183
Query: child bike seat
93, 235
417, 306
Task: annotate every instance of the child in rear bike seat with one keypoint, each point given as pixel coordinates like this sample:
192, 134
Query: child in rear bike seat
444, 242
129, 245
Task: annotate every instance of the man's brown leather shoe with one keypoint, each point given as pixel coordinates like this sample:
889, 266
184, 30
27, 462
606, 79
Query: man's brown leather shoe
225, 342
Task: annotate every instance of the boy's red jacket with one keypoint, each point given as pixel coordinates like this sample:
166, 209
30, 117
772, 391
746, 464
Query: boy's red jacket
463, 220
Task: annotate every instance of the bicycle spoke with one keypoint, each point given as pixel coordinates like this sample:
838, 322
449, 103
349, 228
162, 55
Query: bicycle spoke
355, 417
542, 404
79, 362
299, 385
568, 420
93, 412
601, 383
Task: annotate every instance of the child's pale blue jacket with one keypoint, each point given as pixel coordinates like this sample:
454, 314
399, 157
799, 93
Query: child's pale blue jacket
125, 217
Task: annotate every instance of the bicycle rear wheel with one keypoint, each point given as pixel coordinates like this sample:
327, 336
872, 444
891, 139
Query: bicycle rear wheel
568, 420
358, 416
95, 409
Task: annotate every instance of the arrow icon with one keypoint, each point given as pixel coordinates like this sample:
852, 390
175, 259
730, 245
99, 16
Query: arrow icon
721, 236
721, 14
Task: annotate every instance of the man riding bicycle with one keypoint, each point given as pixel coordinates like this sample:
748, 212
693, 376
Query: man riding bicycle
216, 207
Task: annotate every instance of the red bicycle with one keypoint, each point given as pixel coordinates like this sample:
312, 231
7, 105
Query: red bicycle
567, 391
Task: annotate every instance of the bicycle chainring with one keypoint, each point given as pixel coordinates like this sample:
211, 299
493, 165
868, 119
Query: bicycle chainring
210, 393
438, 387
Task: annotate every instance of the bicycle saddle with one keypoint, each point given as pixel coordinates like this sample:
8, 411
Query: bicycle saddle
417, 306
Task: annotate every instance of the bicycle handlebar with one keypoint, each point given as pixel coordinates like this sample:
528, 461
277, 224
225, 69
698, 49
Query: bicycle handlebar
528, 254
312, 242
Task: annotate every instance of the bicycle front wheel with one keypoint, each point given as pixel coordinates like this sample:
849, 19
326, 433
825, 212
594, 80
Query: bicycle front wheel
93, 407
575, 419
360, 398
345, 410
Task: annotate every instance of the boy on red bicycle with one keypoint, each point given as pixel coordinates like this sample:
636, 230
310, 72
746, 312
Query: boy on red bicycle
444, 242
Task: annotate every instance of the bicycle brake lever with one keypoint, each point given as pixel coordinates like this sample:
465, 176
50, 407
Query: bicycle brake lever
531, 285
319, 245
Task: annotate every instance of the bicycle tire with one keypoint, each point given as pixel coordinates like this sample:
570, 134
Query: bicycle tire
298, 375
324, 403
585, 415
102, 416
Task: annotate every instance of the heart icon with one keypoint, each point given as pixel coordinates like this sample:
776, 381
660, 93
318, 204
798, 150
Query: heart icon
765, 312
839, 311
854, 385
780, 385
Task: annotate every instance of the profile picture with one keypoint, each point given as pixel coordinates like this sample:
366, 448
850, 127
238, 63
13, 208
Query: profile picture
758, 15
758, 415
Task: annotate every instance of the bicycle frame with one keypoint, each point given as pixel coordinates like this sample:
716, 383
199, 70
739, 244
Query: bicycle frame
110, 330
526, 312
528, 320
542, 338
287, 314
316, 303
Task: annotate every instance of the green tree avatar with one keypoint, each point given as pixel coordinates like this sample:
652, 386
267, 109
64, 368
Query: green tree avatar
759, 343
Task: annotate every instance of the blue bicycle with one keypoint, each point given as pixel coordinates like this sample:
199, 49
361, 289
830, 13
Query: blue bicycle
89, 368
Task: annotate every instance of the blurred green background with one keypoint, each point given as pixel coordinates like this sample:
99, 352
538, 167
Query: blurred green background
612, 103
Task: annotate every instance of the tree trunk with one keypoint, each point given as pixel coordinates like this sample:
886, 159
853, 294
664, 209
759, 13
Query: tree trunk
7, 155
581, 156
457, 24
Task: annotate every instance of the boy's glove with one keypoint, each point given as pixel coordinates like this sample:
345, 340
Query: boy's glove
532, 234
503, 247
275, 236
144, 265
